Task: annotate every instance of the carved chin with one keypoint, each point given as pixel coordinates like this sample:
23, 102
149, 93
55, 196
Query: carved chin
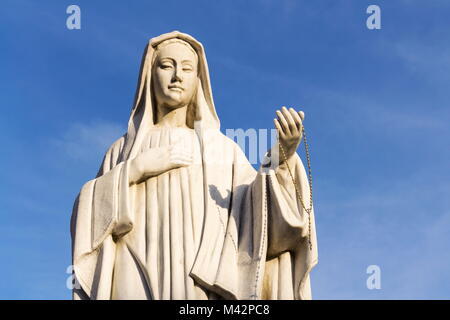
175, 103
176, 99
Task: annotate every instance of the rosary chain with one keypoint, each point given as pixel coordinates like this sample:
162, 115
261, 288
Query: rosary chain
297, 191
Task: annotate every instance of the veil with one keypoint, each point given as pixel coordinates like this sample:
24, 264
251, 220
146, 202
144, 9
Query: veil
143, 112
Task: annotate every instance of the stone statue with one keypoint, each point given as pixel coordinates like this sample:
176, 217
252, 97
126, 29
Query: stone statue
177, 211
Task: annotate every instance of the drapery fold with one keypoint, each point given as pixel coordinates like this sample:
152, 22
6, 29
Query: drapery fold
253, 244
248, 233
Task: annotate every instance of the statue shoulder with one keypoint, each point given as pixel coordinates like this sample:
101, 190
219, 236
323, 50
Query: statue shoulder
227, 140
235, 149
112, 156
231, 144
117, 145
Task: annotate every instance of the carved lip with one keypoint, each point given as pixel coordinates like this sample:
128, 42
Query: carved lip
173, 86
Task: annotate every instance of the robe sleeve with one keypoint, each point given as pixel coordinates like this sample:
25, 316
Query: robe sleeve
291, 230
288, 220
289, 258
101, 214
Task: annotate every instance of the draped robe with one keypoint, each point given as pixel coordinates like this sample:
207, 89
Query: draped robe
215, 229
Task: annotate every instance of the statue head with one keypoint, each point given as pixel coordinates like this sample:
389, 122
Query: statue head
174, 74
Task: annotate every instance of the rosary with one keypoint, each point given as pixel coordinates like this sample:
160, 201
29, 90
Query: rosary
297, 191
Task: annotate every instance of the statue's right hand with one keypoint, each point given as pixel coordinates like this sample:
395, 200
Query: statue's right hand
156, 161
179, 156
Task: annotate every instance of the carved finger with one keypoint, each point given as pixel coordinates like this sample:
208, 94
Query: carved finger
302, 115
278, 127
296, 117
283, 122
291, 123
181, 158
182, 162
184, 153
181, 150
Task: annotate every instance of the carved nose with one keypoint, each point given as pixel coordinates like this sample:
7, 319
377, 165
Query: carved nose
177, 75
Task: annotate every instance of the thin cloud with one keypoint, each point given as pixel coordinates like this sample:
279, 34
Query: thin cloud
430, 59
84, 141
402, 227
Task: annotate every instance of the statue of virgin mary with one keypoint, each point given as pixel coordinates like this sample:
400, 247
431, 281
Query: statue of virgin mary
176, 210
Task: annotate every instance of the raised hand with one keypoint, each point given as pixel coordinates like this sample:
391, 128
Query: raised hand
289, 124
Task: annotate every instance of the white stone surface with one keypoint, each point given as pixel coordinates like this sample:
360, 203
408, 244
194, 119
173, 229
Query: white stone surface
177, 211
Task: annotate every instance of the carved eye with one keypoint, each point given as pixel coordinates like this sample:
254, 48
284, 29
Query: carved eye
166, 66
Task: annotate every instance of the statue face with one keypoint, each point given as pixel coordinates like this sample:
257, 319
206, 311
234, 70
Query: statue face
175, 75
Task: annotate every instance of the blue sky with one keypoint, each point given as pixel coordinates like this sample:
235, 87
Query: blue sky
377, 117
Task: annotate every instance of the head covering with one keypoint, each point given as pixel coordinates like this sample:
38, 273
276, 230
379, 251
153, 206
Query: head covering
143, 113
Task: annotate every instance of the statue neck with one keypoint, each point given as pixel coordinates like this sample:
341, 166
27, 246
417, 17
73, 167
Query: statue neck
172, 117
